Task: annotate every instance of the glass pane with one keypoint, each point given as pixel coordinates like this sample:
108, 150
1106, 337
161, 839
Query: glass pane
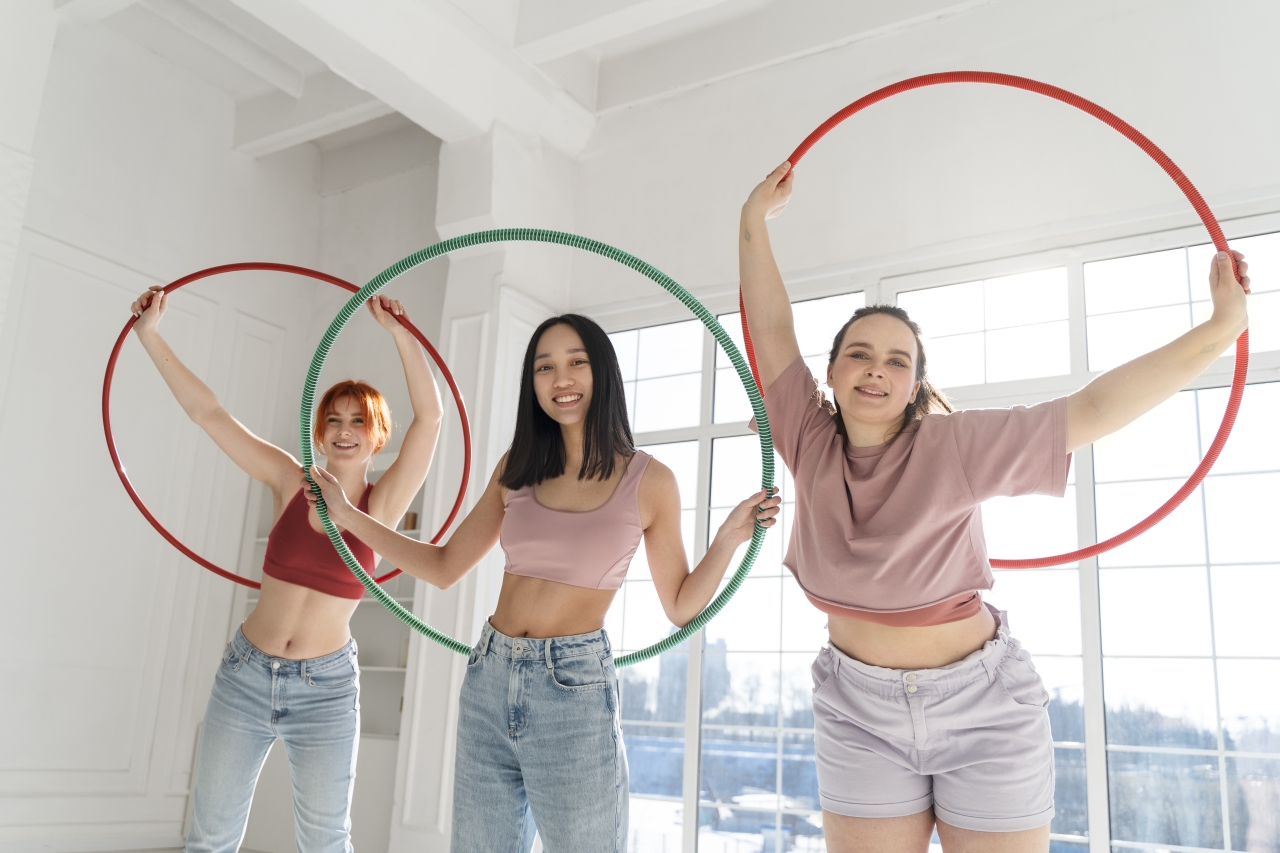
669, 403
1165, 799
1244, 599
1249, 697
735, 469
1070, 800
1114, 339
731, 401
739, 689
1026, 298
1063, 677
1262, 252
1155, 611
1162, 443
1177, 540
727, 830
799, 772
738, 766
1241, 512
797, 690
751, 622
957, 360
1138, 281
1264, 322
682, 458
950, 310
1252, 445
733, 327
670, 349
655, 690
626, 345
818, 320
655, 759
1253, 784
1043, 607
1030, 526
1026, 352
656, 826
1160, 702
804, 627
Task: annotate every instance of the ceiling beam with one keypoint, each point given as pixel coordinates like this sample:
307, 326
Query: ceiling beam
75, 12
275, 121
550, 29
430, 62
247, 54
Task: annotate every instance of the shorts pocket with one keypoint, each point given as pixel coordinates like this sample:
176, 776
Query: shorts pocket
580, 672
341, 674
1020, 680
822, 670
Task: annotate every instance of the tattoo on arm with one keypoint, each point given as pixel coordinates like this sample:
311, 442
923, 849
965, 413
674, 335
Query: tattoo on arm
1208, 348
746, 235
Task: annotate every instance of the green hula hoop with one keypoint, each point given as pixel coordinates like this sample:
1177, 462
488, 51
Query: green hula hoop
536, 235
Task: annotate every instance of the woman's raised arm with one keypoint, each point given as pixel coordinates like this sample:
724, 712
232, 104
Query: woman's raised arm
773, 333
1125, 393
439, 565
261, 460
397, 486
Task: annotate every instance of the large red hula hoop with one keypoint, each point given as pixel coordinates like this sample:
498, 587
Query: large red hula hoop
308, 273
1184, 184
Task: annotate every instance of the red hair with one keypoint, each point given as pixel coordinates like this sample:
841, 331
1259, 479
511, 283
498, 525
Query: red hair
373, 406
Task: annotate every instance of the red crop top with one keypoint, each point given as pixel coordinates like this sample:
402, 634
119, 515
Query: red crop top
297, 554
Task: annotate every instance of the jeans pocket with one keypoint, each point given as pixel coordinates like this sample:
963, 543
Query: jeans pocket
340, 674
231, 659
580, 672
1020, 680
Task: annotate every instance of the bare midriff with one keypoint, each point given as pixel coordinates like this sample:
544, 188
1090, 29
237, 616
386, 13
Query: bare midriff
298, 623
538, 608
920, 647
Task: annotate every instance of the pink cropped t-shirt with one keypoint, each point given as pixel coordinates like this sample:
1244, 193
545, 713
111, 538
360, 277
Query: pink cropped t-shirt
592, 549
893, 533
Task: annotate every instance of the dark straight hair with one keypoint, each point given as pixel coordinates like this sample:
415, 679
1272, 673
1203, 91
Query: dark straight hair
927, 400
537, 449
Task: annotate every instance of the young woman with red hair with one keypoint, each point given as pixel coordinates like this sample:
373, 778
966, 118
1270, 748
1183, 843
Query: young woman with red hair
291, 671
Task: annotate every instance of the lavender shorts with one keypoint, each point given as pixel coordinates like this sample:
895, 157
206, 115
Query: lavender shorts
970, 739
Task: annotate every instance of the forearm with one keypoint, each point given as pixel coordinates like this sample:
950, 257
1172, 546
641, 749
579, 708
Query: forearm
700, 585
1123, 394
196, 398
424, 395
765, 297
421, 559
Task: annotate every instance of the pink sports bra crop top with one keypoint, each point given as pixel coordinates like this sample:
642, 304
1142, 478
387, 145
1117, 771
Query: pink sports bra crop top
591, 549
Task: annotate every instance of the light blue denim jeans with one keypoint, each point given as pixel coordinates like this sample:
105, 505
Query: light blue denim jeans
314, 707
540, 742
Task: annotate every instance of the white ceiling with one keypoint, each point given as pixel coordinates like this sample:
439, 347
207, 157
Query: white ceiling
301, 70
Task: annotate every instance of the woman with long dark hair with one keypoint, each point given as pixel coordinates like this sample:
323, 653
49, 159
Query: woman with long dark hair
926, 711
538, 726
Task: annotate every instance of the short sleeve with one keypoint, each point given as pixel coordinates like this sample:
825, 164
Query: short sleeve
1015, 451
798, 412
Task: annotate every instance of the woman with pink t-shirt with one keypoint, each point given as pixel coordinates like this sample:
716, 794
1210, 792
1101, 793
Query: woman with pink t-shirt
925, 710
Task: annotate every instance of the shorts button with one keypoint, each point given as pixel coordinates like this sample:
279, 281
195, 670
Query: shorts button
275, 664
911, 676
911, 688
518, 648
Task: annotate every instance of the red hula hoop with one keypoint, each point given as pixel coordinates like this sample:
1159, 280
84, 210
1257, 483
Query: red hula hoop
308, 273
1170, 168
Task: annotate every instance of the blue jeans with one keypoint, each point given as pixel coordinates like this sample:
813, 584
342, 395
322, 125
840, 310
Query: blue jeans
314, 707
539, 736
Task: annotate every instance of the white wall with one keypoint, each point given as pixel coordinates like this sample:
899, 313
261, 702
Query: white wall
666, 179
114, 636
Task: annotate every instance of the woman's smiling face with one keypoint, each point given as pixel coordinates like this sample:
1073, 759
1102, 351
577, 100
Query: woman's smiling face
345, 434
874, 375
562, 378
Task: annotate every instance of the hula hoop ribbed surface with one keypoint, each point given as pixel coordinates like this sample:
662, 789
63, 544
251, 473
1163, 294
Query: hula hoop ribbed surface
535, 235
1171, 169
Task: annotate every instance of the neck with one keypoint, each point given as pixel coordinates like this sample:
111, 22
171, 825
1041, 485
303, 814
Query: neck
861, 434
571, 434
352, 474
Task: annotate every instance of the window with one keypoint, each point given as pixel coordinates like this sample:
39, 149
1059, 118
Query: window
1165, 646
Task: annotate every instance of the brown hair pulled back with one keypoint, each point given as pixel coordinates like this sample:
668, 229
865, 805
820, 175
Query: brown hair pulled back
928, 399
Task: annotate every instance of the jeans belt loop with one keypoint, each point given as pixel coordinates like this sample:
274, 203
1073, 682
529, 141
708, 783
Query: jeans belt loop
486, 639
546, 652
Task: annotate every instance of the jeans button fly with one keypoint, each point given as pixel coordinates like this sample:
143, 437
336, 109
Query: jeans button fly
275, 664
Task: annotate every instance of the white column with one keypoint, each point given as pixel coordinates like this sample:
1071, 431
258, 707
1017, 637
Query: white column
496, 295
27, 29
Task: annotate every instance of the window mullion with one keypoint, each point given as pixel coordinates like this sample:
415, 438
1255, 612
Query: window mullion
1095, 722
